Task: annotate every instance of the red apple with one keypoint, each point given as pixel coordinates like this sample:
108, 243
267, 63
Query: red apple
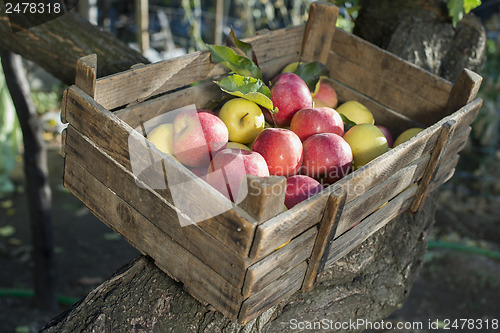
299, 188
282, 150
307, 122
289, 94
198, 136
229, 167
387, 135
326, 94
327, 157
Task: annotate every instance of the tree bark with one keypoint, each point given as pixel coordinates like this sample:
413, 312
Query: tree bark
422, 33
57, 45
37, 181
369, 283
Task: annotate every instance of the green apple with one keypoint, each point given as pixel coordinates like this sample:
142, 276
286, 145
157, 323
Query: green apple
237, 145
162, 137
244, 120
407, 135
367, 142
356, 112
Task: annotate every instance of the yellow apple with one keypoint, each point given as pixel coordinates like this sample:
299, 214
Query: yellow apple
367, 142
237, 145
356, 112
407, 135
162, 137
243, 118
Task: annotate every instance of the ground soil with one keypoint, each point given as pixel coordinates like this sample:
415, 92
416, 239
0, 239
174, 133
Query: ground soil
453, 284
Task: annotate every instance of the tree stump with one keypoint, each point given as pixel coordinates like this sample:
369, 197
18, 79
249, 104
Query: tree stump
369, 283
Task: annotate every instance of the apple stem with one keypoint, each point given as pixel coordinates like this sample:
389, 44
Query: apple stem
246, 114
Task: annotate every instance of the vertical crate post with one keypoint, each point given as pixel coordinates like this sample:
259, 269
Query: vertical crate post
86, 74
265, 198
319, 32
327, 228
430, 171
464, 91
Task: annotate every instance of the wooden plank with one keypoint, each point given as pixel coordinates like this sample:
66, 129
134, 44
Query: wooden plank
265, 198
351, 239
229, 224
287, 225
388, 164
154, 207
142, 83
464, 91
394, 121
280, 289
386, 92
168, 255
319, 31
378, 194
272, 267
142, 113
86, 73
327, 229
442, 143
142, 25
390, 69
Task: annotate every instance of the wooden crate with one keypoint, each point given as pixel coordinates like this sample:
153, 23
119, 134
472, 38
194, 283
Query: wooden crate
231, 260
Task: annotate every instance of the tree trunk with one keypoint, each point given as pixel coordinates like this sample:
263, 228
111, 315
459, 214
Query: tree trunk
35, 169
369, 283
422, 33
57, 45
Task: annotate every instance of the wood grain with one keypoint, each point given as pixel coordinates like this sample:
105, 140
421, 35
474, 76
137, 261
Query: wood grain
265, 198
326, 233
319, 31
86, 73
349, 240
233, 226
172, 258
285, 286
272, 267
154, 207
400, 85
438, 152
464, 91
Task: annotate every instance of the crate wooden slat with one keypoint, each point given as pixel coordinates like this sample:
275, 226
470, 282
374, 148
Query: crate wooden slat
245, 258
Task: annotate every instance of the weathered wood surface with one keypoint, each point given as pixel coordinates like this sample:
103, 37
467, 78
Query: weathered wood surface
400, 85
269, 269
326, 232
141, 296
141, 83
203, 283
233, 226
153, 207
318, 32
86, 74
59, 43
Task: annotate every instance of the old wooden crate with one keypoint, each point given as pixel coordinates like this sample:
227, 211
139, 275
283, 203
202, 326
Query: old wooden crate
231, 258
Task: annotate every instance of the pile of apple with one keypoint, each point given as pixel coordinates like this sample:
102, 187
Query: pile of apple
304, 141
285, 130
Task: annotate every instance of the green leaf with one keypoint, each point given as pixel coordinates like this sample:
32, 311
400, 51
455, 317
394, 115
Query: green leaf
311, 72
470, 5
347, 121
237, 63
456, 10
233, 41
247, 87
